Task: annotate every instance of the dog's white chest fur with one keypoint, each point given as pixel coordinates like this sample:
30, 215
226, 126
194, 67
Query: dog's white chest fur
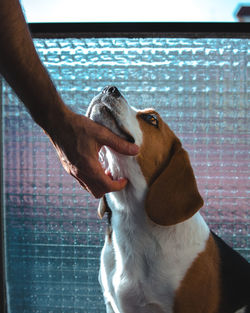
143, 264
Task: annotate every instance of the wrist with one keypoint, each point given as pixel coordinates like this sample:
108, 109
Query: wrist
54, 118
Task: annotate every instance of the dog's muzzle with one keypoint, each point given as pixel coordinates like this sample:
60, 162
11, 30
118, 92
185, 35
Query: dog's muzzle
106, 109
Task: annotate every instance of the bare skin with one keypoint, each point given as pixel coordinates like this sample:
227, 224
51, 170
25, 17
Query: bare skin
76, 138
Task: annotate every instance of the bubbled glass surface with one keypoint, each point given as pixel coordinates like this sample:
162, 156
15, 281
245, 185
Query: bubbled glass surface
53, 235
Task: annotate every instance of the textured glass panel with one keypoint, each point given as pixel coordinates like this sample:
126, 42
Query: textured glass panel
199, 86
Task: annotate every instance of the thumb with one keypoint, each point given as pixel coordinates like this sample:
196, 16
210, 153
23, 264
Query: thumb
118, 144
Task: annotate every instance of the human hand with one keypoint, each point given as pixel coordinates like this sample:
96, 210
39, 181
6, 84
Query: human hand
77, 140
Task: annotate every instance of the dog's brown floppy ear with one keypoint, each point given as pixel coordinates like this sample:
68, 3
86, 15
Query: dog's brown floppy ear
103, 207
174, 197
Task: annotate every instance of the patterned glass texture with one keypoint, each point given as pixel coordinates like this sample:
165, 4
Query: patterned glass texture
53, 235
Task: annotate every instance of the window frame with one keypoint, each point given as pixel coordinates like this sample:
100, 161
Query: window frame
135, 30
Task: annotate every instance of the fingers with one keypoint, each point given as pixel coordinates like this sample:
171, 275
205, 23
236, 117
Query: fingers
99, 189
97, 182
108, 186
117, 143
103, 136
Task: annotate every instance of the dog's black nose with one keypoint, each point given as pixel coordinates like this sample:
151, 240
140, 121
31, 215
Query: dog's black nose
112, 90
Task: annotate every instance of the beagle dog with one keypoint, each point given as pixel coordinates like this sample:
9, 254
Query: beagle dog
159, 255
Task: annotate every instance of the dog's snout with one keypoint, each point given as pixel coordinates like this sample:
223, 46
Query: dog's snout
112, 90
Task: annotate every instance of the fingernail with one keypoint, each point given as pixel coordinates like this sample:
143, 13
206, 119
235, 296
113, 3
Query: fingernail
123, 181
108, 173
134, 149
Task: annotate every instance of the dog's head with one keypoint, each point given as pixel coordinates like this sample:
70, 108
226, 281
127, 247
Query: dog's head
171, 192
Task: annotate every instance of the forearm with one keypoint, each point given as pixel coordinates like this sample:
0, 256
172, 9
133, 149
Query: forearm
22, 68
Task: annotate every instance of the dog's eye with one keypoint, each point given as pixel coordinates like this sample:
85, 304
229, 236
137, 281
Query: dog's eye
150, 118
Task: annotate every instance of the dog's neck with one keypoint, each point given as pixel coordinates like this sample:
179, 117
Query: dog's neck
130, 230
129, 218
125, 166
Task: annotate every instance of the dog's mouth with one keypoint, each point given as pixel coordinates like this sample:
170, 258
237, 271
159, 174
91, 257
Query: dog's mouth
122, 132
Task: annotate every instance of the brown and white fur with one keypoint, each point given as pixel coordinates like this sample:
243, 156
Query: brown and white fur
159, 255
